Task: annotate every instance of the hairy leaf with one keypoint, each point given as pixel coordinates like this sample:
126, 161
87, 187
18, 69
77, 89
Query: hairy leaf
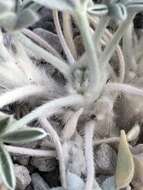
6, 169
24, 135
125, 163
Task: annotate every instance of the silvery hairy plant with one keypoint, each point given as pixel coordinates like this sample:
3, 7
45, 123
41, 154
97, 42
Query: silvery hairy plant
90, 79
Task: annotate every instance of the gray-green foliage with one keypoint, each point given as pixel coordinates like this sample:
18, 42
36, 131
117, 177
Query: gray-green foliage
86, 82
14, 15
13, 136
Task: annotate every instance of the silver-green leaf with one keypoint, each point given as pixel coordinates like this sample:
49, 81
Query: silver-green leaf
6, 169
24, 135
3, 125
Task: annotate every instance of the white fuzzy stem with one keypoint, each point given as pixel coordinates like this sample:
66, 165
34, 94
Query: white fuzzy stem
49, 129
29, 152
49, 108
20, 94
124, 88
42, 53
89, 132
68, 33
66, 49
40, 41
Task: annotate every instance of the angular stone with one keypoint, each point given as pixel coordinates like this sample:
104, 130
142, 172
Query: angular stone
105, 159
22, 176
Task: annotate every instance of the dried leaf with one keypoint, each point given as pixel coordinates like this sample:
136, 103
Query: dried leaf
125, 163
6, 169
24, 135
71, 125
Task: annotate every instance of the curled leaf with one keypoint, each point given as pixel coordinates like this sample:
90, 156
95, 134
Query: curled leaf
98, 9
125, 163
6, 169
24, 135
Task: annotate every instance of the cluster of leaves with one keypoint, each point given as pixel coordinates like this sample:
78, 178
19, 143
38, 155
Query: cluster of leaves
9, 135
86, 79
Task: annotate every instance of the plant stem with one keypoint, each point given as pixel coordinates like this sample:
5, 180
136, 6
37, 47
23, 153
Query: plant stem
48, 109
110, 48
64, 44
20, 93
56, 62
49, 129
29, 152
94, 68
36, 38
68, 33
125, 88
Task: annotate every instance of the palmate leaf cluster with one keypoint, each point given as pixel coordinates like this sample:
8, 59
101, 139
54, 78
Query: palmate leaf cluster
13, 136
87, 82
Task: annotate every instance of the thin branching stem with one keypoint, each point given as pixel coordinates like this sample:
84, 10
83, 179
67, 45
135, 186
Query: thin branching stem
49, 129
49, 109
128, 49
125, 88
20, 93
56, 62
36, 38
64, 44
14, 150
89, 132
68, 33
100, 29
110, 48
94, 68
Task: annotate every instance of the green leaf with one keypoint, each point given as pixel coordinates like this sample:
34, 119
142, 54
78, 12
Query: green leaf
6, 169
125, 163
3, 125
56, 4
98, 9
24, 135
25, 18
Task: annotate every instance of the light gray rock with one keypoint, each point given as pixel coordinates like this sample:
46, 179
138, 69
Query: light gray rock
105, 159
74, 156
22, 176
38, 182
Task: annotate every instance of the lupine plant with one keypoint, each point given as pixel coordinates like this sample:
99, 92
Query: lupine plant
91, 82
